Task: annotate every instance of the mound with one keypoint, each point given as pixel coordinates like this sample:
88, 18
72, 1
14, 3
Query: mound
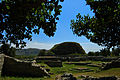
67, 48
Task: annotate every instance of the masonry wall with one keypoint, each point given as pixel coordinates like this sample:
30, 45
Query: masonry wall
1, 62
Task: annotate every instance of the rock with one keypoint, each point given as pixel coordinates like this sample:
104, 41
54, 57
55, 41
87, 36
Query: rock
68, 76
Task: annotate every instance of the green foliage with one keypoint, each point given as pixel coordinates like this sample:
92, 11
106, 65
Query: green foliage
20, 18
104, 27
91, 53
103, 52
45, 53
42, 52
7, 50
116, 52
67, 48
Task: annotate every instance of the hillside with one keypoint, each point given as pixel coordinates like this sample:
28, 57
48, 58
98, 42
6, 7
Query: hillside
27, 52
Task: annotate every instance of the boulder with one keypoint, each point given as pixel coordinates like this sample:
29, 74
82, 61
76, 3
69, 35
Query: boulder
68, 76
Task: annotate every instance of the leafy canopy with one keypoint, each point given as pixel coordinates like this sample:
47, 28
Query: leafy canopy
104, 27
7, 50
20, 18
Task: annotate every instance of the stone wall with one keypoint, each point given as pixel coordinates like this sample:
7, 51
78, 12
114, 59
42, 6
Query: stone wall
54, 63
1, 62
75, 59
15, 67
113, 64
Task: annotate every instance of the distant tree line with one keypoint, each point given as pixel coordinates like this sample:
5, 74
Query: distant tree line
105, 52
45, 53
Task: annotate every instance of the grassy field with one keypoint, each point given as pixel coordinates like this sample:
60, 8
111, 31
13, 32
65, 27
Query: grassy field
71, 68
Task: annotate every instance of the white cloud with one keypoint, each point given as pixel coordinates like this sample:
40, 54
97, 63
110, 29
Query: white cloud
39, 45
86, 46
90, 47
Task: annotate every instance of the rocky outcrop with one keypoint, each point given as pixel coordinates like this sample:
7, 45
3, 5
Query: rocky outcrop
15, 67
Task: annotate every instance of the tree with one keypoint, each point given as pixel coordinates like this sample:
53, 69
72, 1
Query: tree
104, 27
44, 52
116, 52
20, 18
105, 52
91, 53
67, 48
7, 50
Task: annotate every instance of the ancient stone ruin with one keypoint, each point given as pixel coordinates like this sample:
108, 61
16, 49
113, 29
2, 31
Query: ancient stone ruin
10, 66
113, 64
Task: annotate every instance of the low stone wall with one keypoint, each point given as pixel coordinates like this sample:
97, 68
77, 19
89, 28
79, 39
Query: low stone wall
47, 58
93, 58
75, 59
1, 62
15, 67
54, 63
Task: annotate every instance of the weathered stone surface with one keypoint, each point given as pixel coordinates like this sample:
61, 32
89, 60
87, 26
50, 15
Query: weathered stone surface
15, 67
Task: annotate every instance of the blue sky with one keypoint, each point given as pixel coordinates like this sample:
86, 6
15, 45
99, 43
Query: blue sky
63, 33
